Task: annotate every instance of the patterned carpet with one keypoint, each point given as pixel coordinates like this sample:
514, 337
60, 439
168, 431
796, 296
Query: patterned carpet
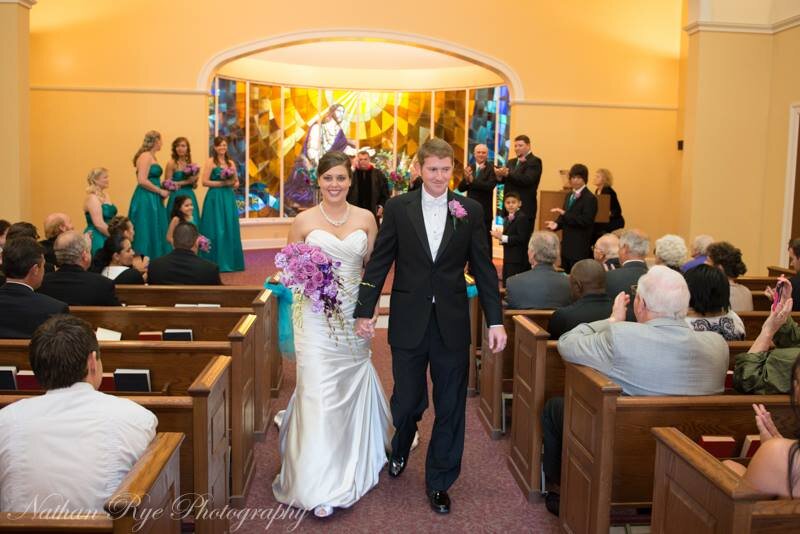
485, 497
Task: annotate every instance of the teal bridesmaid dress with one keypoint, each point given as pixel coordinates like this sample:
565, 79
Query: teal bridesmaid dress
98, 239
185, 190
149, 218
220, 224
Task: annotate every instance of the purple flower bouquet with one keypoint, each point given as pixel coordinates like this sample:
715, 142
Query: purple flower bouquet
204, 243
228, 173
170, 185
191, 169
311, 274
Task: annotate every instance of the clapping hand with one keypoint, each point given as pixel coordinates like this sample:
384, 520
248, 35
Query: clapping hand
551, 225
777, 317
766, 427
501, 172
620, 308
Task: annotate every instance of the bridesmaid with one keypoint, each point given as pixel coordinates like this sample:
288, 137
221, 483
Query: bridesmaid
97, 207
183, 173
147, 211
220, 221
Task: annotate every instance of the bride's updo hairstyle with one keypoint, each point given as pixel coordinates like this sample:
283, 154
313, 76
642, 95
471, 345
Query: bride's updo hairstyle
332, 159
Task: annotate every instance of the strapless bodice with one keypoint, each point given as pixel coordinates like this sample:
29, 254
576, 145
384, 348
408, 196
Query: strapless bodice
350, 250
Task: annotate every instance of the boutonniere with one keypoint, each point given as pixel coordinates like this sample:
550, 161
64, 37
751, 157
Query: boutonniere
457, 211
511, 216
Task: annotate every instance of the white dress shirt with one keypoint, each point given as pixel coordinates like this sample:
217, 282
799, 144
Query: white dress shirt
69, 448
434, 212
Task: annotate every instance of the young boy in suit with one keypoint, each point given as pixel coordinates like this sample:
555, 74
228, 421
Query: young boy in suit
514, 237
576, 219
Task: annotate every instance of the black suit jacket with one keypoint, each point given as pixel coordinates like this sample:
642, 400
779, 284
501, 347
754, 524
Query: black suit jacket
586, 309
615, 219
578, 223
481, 189
523, 178
22, 310
622, 278
49, 255
519, 231
76, 287
419, 278
129, 276
379, 189
183, 267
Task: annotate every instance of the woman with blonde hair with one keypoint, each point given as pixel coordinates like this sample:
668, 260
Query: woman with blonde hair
603, 181
97, 207
147, 211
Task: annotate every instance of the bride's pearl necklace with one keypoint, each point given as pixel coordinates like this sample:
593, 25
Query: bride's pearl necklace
335, 223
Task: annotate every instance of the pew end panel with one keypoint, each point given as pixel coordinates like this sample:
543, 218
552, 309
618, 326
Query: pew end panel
695, 492
243, 343
530, 347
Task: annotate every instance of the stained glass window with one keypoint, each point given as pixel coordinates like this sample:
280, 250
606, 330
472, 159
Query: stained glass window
264, 165
450, 124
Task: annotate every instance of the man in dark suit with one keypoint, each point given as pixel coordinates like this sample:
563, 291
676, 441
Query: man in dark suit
587, 283
55, 224
541, 288
576, 219
479, 182
23, 310
72, 283
633, 247
369, 189
522, 175
182, 266
430, 235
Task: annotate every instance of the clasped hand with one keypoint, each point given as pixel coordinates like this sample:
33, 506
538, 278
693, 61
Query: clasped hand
365, 328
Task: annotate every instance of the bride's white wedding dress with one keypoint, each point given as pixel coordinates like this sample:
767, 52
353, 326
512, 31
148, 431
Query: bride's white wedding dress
337, 426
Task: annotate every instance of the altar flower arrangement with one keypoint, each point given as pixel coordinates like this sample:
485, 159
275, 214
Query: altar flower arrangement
312, 275
204, 243
170, 185
398, 180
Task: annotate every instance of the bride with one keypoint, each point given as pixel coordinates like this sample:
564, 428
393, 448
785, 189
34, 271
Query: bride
337, 427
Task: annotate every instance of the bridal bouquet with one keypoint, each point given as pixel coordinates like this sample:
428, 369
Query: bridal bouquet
312, 275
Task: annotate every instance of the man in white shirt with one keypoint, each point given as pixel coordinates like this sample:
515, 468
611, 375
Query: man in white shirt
71, 447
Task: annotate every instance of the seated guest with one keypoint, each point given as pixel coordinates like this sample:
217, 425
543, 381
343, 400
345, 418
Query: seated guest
182, 266
116, 260
72, 283
728, 258
54, 225
120, 224
21, 309
709, 307
659, 355
606, 251
764, 370
576, 219
775, 467
794, 263
22, 229
4, 225
699, 248
514, 237
587, 282
633, 246
670, 251
542, 287
73, 445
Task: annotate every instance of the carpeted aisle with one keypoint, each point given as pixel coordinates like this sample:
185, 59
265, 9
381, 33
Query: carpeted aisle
485, 497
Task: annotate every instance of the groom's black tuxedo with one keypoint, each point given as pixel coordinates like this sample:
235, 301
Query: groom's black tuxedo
429, 321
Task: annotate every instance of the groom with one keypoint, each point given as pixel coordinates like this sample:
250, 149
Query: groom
430, 234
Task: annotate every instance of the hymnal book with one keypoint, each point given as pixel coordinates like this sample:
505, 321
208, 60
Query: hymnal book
151, 335
107, 384
132, 379
199, 305
750, 445
729, 380
27, 380
718, 446
104, 334
8, 377
178, 334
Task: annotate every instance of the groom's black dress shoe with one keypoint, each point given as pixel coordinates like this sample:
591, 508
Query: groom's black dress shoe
440, 501
396, 466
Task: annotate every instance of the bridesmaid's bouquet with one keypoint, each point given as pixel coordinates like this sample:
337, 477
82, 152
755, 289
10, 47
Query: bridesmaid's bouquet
312, 275
204, 243
170, 185
191, 169
228, 173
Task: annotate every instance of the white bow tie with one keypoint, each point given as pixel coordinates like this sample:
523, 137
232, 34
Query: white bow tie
434, 202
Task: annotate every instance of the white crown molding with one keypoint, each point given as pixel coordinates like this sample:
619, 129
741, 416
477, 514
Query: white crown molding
741, 27
575, 104
100, 89
24, 3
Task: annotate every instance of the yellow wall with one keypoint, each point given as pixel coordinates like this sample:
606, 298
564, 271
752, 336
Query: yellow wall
593, 54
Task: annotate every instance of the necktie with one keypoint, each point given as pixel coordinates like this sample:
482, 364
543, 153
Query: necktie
570, 200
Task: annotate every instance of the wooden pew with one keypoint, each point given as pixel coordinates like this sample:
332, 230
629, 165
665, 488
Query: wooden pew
755, 319
200, 411
695, 492
760, 300
777, 270
497, 371
608, 451
757, 283
152, 483
269, 365
237, 326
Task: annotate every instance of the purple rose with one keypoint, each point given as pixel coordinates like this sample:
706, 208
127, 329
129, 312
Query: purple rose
319, 257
